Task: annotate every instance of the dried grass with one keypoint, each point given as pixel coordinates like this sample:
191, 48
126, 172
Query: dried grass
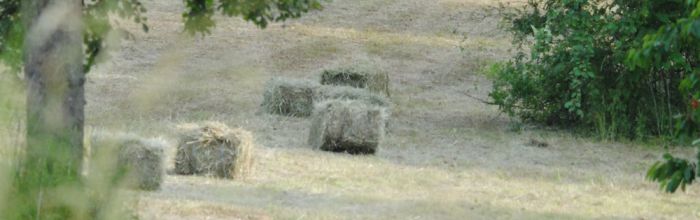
290, 97
213, 149
348, 126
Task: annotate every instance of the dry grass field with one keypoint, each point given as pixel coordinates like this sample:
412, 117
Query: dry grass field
447, 156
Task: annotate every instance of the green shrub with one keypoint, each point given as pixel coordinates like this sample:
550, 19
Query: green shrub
578, 74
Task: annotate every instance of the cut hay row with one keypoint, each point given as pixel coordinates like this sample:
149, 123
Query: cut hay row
213, 149
348, 126
140, 158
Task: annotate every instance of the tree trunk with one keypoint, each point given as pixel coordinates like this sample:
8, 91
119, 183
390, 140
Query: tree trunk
55, 90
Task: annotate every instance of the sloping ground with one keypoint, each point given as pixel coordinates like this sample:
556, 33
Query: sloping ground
447, 156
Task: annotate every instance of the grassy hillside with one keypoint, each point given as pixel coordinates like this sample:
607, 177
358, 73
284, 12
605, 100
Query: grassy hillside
447, 156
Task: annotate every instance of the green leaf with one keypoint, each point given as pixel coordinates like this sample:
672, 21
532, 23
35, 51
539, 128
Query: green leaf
695, 28
696, 142
674, 182
652, 172
688, 175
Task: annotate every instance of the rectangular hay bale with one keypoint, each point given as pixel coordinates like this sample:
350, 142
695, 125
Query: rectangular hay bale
140, 158
376, 81
289, 97
348, 126
213, 149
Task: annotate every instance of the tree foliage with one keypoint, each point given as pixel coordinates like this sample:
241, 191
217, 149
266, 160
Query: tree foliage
621, 68
676, 46
11, 33
673, 173
198, 16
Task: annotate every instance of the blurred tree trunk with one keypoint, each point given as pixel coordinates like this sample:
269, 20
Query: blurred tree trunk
55, 88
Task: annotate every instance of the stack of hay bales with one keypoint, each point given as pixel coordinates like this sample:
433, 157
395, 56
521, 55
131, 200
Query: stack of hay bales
139, 158
290, 97
351, 126
349, 108
213, 149
358, 76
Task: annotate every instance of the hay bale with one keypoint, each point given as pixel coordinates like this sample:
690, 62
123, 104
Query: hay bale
213, 149
348, 126
359, 76
324, 93
141, 159
290, 97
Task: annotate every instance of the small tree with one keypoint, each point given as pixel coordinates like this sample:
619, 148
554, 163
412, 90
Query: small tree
55, 43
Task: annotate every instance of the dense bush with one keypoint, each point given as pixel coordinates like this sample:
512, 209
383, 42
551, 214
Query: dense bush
578, 73
622, 68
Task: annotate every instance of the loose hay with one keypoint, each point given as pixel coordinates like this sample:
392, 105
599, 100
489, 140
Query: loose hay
360, 75
213, 149
324, 93
348, 126
141, 159
290, 97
